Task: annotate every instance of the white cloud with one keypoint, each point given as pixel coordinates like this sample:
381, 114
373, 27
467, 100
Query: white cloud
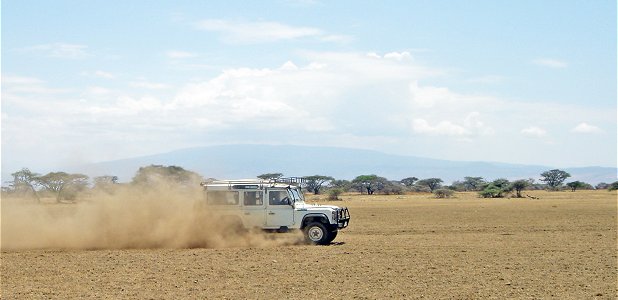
8, 79
586, 128
97, 90
180, 54
103, 74
535, 132
288, 65
550, 62
471, 126
442, 128
27, 85
338, 98
398, 55
61, 50
264, 31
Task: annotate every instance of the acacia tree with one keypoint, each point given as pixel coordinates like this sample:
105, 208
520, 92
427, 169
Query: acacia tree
574, 185
431, 183
314, 183
370, 183
269, 176
473, 183
25, 180
554, 178
157, 174
496, 188
408, 181
62, 183
106, 182
520, 185
341, 184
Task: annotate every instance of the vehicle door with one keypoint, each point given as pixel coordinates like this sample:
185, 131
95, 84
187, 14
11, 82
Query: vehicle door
279, 210
254, 209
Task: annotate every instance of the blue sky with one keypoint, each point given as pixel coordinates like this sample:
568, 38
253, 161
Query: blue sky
530, 82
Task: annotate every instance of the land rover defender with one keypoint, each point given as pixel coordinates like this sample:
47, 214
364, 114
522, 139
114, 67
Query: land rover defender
277, 205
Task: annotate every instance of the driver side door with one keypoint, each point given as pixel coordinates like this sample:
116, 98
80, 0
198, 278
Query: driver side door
279, 211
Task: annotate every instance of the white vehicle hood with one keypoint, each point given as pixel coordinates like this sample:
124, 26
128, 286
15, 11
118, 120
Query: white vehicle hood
305, 206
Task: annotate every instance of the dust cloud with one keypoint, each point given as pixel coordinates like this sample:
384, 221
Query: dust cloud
128, 217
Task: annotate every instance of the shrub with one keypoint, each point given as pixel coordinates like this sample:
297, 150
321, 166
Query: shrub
333, 194
443, 193
613, 186
393, 188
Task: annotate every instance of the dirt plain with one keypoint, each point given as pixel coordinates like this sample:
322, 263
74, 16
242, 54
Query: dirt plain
561, 246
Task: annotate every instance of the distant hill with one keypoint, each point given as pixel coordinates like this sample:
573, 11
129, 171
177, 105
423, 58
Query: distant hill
248, 161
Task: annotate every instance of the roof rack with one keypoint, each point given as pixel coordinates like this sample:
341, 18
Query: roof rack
289, 180
296, 181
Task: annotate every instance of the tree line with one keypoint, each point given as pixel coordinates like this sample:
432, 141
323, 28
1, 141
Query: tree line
65, 186
370, 184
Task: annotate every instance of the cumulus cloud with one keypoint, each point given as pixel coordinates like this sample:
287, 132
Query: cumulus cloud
470, 126
550, 62
586, 128
535, 132
441, 128
263, 31
339, 98
398, 56
27, 85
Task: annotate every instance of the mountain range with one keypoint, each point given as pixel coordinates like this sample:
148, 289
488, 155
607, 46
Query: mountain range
250, 160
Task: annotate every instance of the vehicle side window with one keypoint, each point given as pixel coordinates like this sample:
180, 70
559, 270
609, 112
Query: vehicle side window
222, 197
278, 198
253, 198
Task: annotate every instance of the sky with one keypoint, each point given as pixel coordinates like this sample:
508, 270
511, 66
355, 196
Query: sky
530, 82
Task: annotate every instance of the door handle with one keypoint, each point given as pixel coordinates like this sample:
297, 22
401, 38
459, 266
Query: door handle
271, 213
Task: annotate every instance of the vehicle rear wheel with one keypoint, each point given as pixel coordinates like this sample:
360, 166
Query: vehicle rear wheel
317, 233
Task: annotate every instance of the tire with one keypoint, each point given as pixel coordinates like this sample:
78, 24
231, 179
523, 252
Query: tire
332, 236
316, 233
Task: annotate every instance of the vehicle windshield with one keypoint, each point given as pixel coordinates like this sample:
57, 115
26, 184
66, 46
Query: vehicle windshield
296, 195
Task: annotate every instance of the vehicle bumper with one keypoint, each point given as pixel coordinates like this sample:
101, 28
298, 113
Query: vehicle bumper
343, 218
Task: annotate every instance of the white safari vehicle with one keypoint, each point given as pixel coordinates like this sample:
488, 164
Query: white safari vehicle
277, 205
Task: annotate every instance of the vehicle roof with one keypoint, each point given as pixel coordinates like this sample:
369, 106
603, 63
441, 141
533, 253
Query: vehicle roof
247, 182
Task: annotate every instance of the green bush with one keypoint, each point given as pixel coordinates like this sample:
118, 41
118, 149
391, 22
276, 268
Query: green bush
491, 191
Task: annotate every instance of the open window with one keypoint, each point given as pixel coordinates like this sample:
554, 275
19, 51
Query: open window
278, 197
252, 198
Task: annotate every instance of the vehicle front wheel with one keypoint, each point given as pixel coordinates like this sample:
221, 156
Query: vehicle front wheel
317, 233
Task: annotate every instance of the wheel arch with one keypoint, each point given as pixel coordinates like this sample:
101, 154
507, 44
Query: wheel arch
322, 218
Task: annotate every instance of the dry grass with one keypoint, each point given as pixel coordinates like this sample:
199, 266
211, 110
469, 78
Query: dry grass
414, 246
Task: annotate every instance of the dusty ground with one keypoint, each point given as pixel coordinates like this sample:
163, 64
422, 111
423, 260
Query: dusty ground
561, 246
